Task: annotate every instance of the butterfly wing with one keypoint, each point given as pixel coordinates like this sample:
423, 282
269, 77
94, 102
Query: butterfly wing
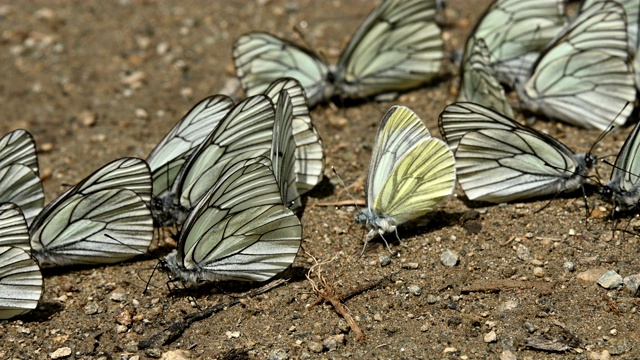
478, 82
498, 165
20, 185
168, 156
13, 227
624, 185
309, 154
247, 131
283, 151
515, 31
106, 226
18, 147
584, 76
397, 47
21, 283
262, 58
239, 231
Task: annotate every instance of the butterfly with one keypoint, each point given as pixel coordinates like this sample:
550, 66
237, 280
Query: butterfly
584, 76
309, 154
410, 172
623, 187
515, 31
478, 82
172, 151
499, 160
398, 47
19, 175
103, 219
240, 229
21, 283
245, 132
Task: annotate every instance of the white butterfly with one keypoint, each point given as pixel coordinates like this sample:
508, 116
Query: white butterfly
102, 219
499, 160
21, 283
623, 187
478, 82
240, 230
515, 31
309, 154
173, 150
410, 172
583, 77
19, 180
245, 132
398, 47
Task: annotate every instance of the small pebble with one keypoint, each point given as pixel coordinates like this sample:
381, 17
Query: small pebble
332, 342
315, 347
46, 147
121, 329
449, 258
432, 299
343, 327
377, 317
568, 266
153, 353
141, 113
530, 327
449, 350
60, 353
591, 275
490, 337
91, 309
507, 355
384, 260
278, 354
610, 280
538, 272
124, 318
176, 355
118, 296
415, 290
632, 282
523, 252
410, 266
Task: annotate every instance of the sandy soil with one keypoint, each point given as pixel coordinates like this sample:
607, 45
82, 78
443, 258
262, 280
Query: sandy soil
94, 81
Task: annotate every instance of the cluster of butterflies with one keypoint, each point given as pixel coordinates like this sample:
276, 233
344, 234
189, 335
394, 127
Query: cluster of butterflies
231, 176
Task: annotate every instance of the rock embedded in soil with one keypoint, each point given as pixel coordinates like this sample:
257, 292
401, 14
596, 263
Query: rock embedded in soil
523, 253
632, 282
384, 260
490, 337
315, 347
610, 280
415, 290
449, 258
591, 275
61, 353
278, 354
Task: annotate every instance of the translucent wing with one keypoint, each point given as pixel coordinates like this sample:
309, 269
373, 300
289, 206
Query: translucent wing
168, 156
398, 47
283, 152
13, 227
106, 226
20, 185
515, 31
478, 82
309, 164
239, 231
261, 58
459, 118
584, 76
632, 10
18, 147
499, 165
21, 283
246, 132
624, 185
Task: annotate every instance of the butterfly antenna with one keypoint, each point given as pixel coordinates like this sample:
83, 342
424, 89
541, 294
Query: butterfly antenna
146, 287
345, 187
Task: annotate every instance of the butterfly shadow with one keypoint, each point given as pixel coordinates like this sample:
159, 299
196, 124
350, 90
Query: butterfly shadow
44, 311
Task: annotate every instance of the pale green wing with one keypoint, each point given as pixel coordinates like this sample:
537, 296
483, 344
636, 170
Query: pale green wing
21, 283
632, 11
397, 47
624, 185
173, 150
262, 58
18, 147
420, 179
309, 164
240, 230
584, 76
515, 31
246, 131
20, 185
106, 226
478, 83
400, 131
13, 227
283, 152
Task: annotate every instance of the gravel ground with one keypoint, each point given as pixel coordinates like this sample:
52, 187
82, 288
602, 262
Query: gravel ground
94, 81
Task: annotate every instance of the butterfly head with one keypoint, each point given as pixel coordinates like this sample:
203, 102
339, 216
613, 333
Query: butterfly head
379, 224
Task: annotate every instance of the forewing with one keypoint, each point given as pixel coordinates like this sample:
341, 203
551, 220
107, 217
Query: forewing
262, 58
21, 283
627, 166
309, 164
420, 179
398, 47
20, 185
172, 151
283, 152
106, 226
241, 230
13, 227
18, 147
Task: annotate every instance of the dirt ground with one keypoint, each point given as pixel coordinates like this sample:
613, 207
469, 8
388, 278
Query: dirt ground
94, 81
